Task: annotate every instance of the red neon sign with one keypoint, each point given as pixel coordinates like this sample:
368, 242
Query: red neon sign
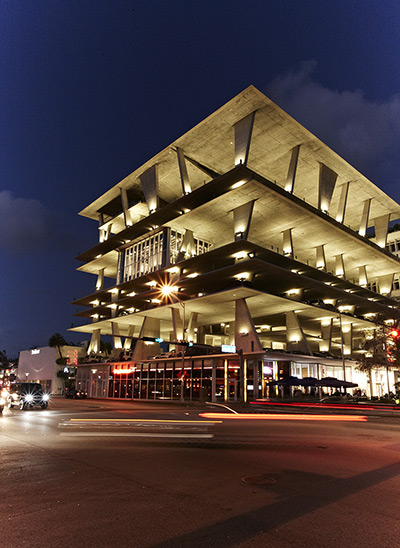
123, 371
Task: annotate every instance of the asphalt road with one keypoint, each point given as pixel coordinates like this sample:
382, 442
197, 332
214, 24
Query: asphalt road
98, 474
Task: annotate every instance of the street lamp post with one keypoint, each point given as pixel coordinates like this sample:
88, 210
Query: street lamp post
169, 291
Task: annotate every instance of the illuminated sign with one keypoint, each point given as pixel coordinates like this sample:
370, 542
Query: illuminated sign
124, 371
35, 351
231, 348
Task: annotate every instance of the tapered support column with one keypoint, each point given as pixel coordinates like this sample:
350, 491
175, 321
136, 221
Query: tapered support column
192, 324
326, 335
144, 349
320, 258
125, 207
381, 230
242, 220
100, 280
347, 330
339, 266
243, 132
246, 337
385, 284
362, 276
94, 345
291, 176
327, 181
344, 190
186, 189
149, 182
365, 217
288, 243
295, 338
117, 343
128, 339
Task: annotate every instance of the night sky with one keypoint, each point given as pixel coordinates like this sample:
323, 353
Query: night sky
92, 89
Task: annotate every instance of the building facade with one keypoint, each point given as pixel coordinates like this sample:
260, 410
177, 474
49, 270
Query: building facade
247, 239
39, 365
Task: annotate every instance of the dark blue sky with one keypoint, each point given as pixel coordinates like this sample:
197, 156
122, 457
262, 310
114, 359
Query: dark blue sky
90, 90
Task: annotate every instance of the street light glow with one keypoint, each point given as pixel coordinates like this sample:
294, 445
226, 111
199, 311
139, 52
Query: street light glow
166, 290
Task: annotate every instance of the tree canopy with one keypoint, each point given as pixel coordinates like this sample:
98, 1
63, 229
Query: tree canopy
57, 340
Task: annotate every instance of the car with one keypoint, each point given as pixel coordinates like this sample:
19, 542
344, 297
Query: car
3, 400
25, 395
75, 394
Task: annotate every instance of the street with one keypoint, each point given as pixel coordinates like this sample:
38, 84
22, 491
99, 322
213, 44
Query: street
109, 473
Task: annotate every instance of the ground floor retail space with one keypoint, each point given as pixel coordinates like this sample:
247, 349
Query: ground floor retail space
218, 378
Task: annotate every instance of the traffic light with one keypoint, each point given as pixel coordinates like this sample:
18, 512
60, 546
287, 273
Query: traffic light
395, 333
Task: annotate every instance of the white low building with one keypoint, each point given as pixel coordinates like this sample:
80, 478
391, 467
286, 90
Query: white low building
39, 365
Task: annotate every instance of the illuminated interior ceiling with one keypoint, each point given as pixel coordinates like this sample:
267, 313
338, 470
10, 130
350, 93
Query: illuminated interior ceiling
220, 308
273, 213
275, 133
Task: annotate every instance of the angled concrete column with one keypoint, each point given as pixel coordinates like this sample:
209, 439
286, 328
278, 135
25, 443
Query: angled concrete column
183, 172
128, 339
291, 176
120, 266
104, 233
320, 258
143, 349
344, 191
327, 181
117, 343
326, 335
381, 229
243, 131
362, 276
365, 217
242, 220
94, 345
192, 324
125, 207
385, 284
287, 245
100, 280
246, 337
177, 324
347, 330
149, 182
188, 248
114, 300
339, 266
295, 338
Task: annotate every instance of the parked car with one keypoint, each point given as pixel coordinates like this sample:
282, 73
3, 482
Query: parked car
25, 395
74, 394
